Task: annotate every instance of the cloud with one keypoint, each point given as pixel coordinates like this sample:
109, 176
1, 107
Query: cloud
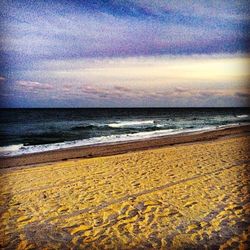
158, 72
161, 80
94, 91
180, 89
122, 89
98, 96
223, 10
66, 88
100, 30
30, 85
6, 95
243, 95
123, 94
130, 52
2, 79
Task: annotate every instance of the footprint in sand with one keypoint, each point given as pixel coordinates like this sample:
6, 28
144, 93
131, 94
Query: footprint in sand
190, 204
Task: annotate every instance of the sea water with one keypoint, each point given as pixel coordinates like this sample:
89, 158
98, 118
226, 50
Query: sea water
24, 131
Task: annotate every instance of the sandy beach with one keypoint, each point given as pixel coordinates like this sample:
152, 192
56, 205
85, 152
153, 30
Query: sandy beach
156, 194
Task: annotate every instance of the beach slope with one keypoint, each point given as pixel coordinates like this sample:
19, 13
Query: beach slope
185, 196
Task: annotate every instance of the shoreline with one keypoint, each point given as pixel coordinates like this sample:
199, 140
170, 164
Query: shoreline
121, 148
193, 195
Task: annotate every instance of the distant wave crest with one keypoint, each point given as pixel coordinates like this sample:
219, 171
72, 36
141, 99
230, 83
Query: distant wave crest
119, 125
242, 116
124, 124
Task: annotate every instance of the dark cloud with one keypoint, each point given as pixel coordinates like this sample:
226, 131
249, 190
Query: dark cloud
243, 95
180, 90
123, 89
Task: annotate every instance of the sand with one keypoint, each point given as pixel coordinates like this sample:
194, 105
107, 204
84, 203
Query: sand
187, 196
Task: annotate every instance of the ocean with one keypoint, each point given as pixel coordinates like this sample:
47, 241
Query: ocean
24, 131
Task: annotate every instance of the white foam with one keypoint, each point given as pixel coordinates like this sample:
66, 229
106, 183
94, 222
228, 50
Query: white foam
160, 125
19, 150
228, 125
130, 124
10, 148
242, 116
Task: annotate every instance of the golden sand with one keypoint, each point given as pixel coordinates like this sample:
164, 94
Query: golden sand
168, 198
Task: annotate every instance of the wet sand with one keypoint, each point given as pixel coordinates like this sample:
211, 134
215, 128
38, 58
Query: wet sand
120, 148
192, 196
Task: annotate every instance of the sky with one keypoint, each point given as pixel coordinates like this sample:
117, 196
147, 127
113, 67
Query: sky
140, 53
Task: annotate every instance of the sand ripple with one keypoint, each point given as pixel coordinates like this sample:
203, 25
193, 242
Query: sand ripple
194, 197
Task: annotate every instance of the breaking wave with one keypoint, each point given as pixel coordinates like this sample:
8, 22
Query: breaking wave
125, 124
21, 149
